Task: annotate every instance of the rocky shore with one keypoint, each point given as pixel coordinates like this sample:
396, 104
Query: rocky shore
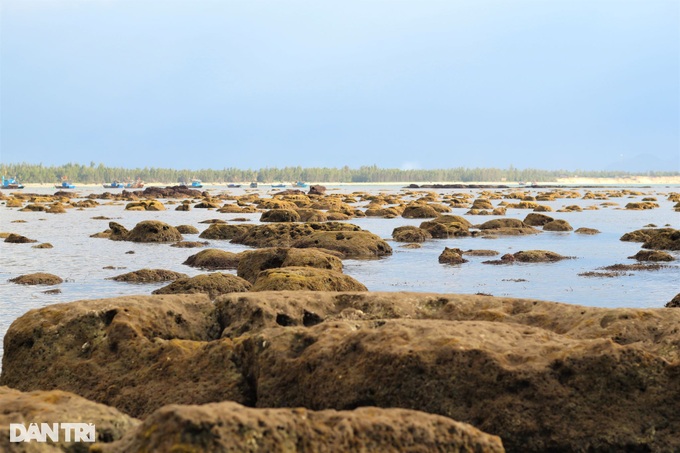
536, 376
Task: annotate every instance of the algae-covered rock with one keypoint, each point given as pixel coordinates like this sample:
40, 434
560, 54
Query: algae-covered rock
211, 284
253, 262
284, 234
537, 256
39, 278
297, 278
352, 244
410, 234
149, 276
674, 303
213, 259
652, 255
13, 238
56, 406
280, 215
187, 229
230, 427
224, 231
419, 211
584, 230
535, 219
44, 245
153, 231
145, 205
557, 225
452, 256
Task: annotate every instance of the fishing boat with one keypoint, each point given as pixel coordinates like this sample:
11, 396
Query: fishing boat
301, 184
196, 184
139, 184
253, 185
65, 184
114, 185
278, 186
233, 186
11, 183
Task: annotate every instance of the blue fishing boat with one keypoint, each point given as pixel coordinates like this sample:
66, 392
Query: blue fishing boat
65, 184
301, 184
233, 186
114, 185
278, 186
11, 183
253, 185
196, 184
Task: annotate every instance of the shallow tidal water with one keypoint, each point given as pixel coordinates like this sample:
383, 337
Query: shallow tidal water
81, 260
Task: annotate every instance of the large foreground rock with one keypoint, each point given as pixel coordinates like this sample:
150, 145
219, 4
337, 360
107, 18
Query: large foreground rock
543, 376
56, 406
231, 427
135, 353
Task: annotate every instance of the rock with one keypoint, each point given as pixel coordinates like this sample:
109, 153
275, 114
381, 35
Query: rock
352, 244
187, 229
445, 230
190, 244
557, 225
642, 205
674, 303
18, 239
507, 226
213, 259
534, 219
410, 234
183, 207
317, 190
482, 203
149, 276
312, 215
208, 203
145, 205
419, 211
584, 230
537, 256
39, 278
253, 262
300, 278
153, 231
452, 256
411, 245
44, 245
117, 232
231, 427
284, 234
652, 255
224, 231
211, 284
481, 252
56, 406
280, 215
655, 238
135, 353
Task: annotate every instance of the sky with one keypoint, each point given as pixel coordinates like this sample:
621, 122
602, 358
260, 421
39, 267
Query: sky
574, 85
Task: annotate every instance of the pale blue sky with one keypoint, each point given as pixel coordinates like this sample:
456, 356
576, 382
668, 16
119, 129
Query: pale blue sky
193, 84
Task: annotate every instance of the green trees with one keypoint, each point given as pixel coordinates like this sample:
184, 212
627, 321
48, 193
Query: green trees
97, 174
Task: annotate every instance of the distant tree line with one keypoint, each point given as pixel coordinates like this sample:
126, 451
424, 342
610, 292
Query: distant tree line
99, 173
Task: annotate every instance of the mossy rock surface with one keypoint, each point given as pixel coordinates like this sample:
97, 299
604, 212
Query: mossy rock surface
419, 211
153, 231
149, 276
296, 278
187, 229
213, 259
253, 262
145, 205
537, 256
652, 255
224, 231
13, 238
284, 234
536, 219
410, 234
213, 285
452, 256
352, 244
557, 225
280, 215
39, 278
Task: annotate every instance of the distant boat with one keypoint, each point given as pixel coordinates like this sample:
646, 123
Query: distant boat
11, 183
196, 184
139, 184
301, 184
233, 186
65, 184
253, 185
278, 186
114, 185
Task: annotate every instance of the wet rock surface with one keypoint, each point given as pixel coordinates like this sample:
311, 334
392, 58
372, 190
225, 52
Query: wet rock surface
39, 278
211, 284
149, 276
296, 278
251, 263
214, 259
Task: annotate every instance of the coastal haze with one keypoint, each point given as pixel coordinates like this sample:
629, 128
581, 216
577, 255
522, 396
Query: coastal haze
425, 226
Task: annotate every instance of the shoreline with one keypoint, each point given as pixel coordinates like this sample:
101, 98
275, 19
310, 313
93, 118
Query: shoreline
573, 181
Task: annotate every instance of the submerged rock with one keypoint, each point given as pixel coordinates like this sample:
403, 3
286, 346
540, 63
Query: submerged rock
13, 238
652, 255
538, 256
